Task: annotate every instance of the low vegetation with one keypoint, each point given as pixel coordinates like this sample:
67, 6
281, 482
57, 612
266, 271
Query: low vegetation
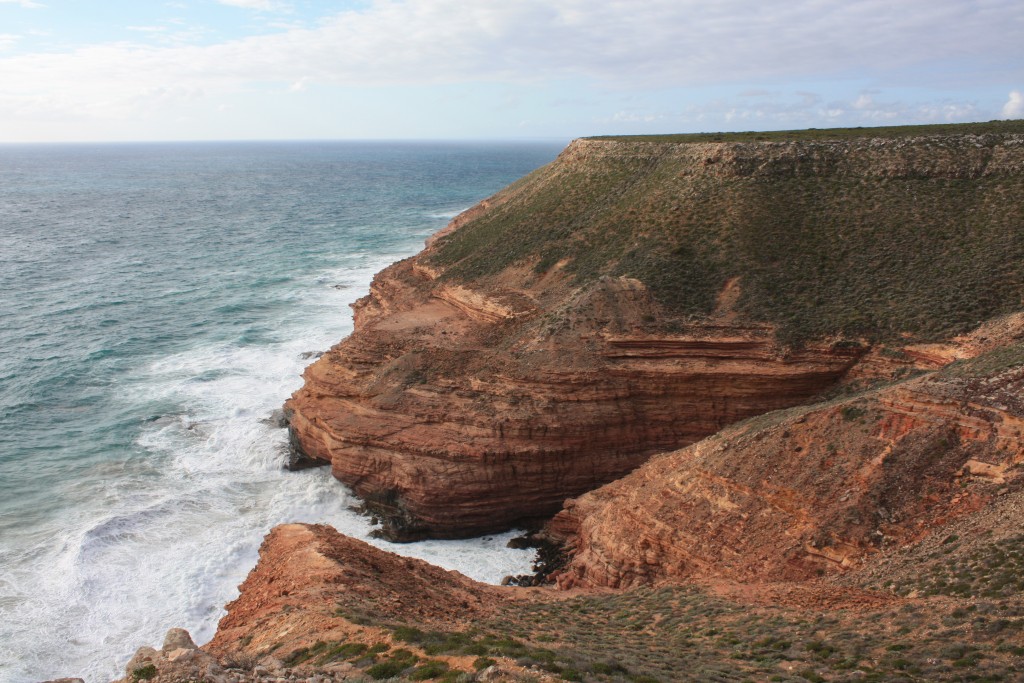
992, 570
684, 633
988, 364
991, 127
818, 250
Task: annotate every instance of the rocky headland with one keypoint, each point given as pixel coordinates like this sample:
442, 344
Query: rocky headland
767, 396
634, 297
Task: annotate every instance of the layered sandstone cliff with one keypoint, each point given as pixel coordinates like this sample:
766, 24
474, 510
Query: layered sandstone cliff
800, 493
448, 422
634, 297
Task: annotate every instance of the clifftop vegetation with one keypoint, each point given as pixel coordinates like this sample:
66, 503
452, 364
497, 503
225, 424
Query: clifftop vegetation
991, 127
877, 233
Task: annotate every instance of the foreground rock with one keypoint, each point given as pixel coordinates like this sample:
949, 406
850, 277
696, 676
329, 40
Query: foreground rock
313, 584
740, 631
178, 660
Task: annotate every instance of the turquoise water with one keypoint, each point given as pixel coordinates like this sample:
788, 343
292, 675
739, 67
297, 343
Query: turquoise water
157, 303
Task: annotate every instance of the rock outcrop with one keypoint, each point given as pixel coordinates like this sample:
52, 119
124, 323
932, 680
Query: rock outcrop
178, 660
313, 584
804, 492
749, 365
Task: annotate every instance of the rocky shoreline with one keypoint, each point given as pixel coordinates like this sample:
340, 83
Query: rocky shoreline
731, 493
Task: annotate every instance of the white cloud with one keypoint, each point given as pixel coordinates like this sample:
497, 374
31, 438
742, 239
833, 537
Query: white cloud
1014, 107
28, 4
263, 5
622, 44
8, 40
634, 117
865, 101
808, 109
656, 43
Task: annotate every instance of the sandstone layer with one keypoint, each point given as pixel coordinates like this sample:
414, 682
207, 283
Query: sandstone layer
634, 297
809, 491
452, 413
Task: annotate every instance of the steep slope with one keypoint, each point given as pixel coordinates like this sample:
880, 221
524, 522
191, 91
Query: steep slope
809, 491
633, 297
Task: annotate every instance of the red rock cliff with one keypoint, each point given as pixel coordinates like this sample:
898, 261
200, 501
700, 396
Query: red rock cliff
597, 312
795, 494
454, 412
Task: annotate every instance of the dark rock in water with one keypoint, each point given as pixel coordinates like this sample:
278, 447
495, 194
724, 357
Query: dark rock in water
278, 419
523, 580
520, 543
550, 558
306, 355
164, 420
297, 459
66, 680
300, 461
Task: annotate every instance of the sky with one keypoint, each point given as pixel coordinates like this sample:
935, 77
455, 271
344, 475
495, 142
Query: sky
109, 70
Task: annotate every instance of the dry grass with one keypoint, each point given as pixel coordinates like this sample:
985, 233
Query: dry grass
819, 251
989, 127
685, 634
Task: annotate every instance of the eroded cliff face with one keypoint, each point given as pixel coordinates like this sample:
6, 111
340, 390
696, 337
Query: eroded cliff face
452, 412
532, 353
797, 494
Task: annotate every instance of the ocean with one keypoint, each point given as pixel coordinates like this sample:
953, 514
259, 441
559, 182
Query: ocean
157, 303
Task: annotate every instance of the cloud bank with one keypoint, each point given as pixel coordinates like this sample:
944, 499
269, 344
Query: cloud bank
1014, 107
613, 45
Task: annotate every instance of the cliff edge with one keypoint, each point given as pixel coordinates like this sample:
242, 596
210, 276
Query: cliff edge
633, 297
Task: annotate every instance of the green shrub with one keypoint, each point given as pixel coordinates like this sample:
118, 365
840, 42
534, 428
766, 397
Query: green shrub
429, 670
481, 663
144, 673
388, 669
408, 634
343, 651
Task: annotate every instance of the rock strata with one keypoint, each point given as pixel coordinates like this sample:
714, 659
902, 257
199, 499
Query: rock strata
455, 417
634, 297
805, 492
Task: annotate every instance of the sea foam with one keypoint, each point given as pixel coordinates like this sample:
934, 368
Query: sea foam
139, 471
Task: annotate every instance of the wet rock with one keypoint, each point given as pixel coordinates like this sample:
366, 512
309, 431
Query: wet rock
278, 419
